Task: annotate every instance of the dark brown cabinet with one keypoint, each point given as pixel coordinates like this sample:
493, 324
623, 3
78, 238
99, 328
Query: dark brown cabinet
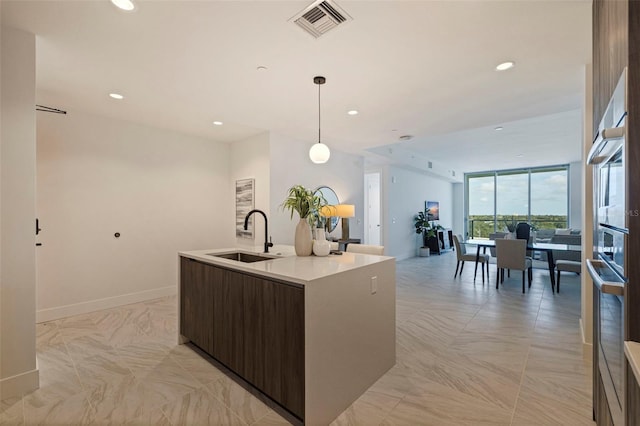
196, 303
616, 36
443, 241
253, 326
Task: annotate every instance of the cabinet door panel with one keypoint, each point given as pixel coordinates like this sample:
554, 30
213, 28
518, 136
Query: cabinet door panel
196, 313
227, 319
284, 354
254, 340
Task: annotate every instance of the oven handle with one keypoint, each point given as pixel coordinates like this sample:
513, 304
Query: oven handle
605, 136
606, 287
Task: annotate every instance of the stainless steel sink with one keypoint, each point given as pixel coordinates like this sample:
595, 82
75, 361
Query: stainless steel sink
239, 256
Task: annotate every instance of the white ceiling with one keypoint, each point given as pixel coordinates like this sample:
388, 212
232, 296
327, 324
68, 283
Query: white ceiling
421, 68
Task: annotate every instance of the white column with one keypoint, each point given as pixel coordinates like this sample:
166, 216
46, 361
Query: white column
586, 315
18, 370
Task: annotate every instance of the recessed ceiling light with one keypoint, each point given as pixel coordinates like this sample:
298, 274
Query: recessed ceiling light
520, 155
505, 66
498, 128
124, 4
117, 96
352, 112
217, 123
261, 68
406, 137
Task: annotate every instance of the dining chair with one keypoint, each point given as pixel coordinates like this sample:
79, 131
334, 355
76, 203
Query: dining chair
512, 254
365, 249
494, 236
567, 266
463, 256
523, 231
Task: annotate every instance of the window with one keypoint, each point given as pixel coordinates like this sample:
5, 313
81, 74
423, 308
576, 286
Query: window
498, 200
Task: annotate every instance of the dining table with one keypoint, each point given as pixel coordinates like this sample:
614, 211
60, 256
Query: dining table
548, 248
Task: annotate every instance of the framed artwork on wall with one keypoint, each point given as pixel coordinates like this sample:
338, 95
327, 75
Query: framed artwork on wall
433, 207
245, 193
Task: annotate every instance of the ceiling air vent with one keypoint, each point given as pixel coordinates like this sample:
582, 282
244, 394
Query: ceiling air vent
320, 17
429, 165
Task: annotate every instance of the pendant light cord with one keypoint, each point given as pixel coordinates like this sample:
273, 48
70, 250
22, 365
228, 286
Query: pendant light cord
319, 139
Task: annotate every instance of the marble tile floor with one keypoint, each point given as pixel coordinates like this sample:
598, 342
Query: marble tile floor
467, 354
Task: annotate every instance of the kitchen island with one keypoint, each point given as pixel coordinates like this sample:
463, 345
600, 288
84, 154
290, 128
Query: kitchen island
310, 333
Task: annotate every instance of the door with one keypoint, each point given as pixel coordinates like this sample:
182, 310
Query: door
372, 194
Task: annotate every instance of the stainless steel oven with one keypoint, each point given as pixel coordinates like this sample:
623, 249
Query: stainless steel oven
608, 269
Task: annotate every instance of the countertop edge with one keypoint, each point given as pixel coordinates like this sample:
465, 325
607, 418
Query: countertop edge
632, 352
283, 275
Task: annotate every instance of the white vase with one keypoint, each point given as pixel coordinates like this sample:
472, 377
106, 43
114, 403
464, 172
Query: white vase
303, 241
321, 247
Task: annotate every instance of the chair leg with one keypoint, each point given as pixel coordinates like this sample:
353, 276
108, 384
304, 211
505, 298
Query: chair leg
523, 272
482, 267
502, 275
457, 266
461, 267
488, 279
530, 276
475, 271
497, 278
509, 273
558, 282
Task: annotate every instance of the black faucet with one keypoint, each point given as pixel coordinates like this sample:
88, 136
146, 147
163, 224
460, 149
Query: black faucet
267, 243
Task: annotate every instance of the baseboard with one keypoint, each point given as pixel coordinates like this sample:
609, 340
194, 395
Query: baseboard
51, 314
20, 383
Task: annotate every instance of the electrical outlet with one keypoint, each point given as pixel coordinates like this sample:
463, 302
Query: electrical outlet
374, 285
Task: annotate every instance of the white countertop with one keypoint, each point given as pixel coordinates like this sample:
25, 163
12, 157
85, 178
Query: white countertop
285, 265
632, 351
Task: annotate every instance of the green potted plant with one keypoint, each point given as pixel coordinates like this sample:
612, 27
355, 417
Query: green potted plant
427, 229
307, 204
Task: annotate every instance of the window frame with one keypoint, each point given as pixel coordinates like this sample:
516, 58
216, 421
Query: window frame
523, 170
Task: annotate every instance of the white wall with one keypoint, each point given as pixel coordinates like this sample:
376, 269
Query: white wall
18, 369
162, 191
457, 225
576, 194
290, 165
250, 159
404, 194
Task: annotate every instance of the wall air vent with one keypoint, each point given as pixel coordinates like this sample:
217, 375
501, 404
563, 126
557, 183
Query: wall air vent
320, 17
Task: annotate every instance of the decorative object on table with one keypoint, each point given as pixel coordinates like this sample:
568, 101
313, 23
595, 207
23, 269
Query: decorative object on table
345, 211
321, 247
433, 210
319, 152
427, 228
510, 227
307, 204
327, 211
244, 204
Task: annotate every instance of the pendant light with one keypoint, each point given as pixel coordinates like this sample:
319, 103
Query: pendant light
319, 152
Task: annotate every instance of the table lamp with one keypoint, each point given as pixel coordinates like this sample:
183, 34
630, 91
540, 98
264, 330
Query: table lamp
345, 211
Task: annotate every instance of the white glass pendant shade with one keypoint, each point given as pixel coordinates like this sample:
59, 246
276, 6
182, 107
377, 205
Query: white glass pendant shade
319, 153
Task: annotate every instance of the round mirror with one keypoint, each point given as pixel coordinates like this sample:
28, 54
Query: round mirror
332, 199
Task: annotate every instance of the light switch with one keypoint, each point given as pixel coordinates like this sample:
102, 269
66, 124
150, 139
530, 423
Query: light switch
374, 285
